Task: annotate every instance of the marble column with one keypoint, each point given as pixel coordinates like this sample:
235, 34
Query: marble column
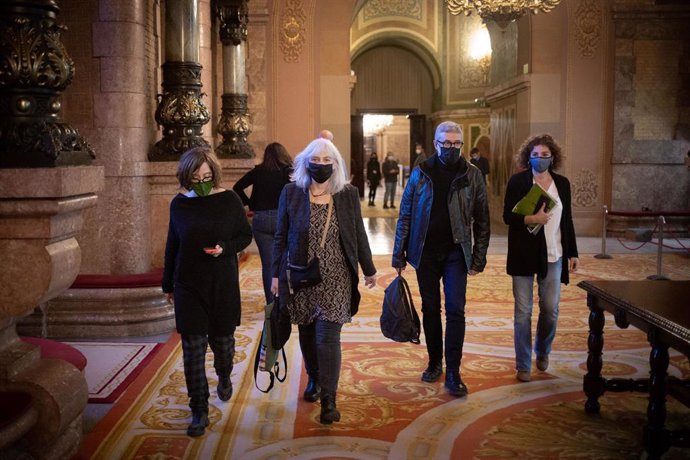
40, 216
180, 110
234, 124
36, 69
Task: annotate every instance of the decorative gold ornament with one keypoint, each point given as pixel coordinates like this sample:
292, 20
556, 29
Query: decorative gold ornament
587, 27
586, 190
500, 11
292, 31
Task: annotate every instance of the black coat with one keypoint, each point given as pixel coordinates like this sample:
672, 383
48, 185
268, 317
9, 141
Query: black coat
468, 209
527, 253
206, 288
292, 235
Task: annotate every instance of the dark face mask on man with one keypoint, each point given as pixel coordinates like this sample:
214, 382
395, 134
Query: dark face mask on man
320, 173
450, 156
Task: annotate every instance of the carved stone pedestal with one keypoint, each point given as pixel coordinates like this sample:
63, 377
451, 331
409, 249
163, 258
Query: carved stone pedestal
40, 215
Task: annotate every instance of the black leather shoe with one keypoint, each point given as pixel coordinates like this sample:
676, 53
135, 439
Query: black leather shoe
329, 413
313, 391
224, 388
454, 384
432, 373
198, 425
385, 206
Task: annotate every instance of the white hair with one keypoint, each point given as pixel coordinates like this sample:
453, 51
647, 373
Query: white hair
447, 127
300, 166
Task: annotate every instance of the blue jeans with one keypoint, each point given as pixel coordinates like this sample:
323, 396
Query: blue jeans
264, 227
389, 194
549, 296
450, 267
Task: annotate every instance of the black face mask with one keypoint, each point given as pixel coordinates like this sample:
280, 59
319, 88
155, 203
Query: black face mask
450, 156
320, 173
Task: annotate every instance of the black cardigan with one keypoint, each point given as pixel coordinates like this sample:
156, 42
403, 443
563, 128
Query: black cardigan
292, 234
527, 253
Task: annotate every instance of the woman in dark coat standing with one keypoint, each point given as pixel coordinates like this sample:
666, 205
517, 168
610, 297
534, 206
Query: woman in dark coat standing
320, 198
550, 253
373, 177
208, 227
267, 181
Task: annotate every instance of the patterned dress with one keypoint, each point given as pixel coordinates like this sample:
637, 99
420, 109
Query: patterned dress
330, 299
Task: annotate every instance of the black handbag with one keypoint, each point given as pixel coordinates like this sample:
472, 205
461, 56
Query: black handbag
301, 276
399, 319
281, 326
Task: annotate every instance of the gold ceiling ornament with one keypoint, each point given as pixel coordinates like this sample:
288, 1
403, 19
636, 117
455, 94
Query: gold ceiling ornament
500, 11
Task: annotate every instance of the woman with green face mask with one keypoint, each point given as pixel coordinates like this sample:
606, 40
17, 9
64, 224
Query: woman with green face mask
208, 227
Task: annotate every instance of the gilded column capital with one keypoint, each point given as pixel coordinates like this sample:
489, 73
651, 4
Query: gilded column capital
234, 17
34, 70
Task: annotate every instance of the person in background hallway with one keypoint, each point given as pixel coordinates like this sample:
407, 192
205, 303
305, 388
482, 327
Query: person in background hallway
444, 204
550, 254
319, 199
373, 177
326, 134
267, 181
420, 157
390, 176
480, 162
208, 227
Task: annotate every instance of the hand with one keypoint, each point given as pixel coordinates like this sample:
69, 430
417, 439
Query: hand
215, 252
473, 272
541, 216
274, 286
573, 263
370, 281
169, 297
399, 270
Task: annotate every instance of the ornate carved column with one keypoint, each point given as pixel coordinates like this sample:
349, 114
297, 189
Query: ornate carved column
34, 70
234, 124
180, 109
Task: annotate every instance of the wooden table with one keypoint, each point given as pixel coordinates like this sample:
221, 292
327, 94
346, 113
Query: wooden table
662, 310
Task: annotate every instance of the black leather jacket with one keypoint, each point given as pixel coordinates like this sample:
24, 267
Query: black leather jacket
468, 209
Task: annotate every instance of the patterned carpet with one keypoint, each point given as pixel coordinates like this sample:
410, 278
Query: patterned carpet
387, 412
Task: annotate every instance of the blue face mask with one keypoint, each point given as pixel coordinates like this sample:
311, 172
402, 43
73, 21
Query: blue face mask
540, 164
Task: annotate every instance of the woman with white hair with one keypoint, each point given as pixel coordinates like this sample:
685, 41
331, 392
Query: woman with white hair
319, 216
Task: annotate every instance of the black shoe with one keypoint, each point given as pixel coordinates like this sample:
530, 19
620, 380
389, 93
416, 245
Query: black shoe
385, 206
432, 373
454, 385
313, 391
224, 388
329, 413
198, 425
392, 206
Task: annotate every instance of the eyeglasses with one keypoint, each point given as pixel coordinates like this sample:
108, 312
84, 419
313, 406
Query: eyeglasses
536, 155
202, 181
449, 144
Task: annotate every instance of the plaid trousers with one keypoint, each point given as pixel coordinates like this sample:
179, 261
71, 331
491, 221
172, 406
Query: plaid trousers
194, 359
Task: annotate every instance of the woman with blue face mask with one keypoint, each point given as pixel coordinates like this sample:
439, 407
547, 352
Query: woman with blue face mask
319, 218
550, 253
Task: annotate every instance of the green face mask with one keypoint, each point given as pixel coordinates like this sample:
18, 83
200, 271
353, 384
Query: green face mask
202, 188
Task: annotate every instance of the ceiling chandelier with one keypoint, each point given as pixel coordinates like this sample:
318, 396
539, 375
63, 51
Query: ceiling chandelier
500, 11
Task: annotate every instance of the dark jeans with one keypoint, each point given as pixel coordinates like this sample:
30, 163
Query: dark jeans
452, 269
264, 227
372, 191
320, 344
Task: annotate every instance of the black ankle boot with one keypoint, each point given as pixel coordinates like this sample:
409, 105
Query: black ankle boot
432, 372
199, 423
224, 389
329, 413
313, 391
454, 384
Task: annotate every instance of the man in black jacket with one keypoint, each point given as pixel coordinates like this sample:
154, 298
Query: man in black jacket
443, 205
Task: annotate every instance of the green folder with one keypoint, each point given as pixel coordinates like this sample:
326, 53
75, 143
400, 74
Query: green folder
532, 202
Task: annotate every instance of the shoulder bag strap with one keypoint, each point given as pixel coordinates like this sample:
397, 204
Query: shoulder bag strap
328, 222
